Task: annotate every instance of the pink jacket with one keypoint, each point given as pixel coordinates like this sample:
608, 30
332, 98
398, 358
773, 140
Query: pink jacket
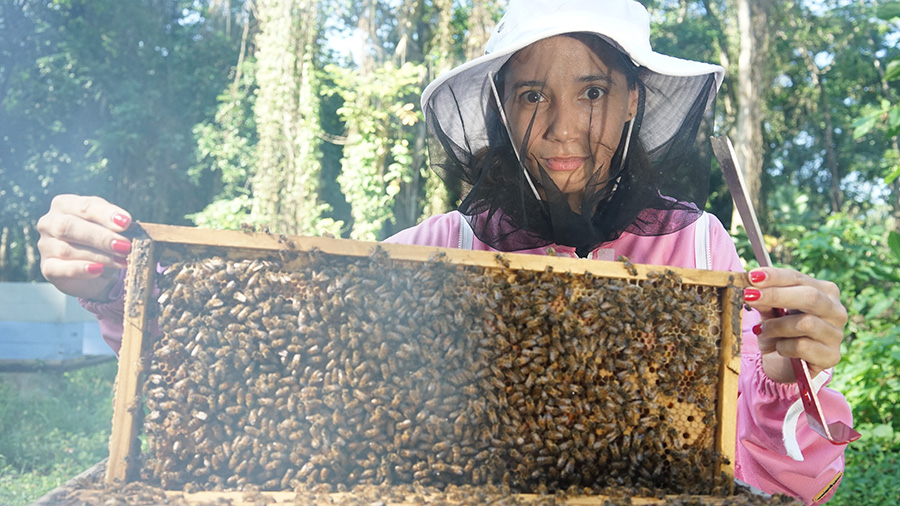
771, 433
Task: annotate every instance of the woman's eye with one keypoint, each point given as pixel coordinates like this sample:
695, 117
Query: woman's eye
593, 93
532, 97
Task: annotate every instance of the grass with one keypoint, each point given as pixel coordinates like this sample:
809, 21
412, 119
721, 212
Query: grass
53, 426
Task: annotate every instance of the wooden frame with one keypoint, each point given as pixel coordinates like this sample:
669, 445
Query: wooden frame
155, 240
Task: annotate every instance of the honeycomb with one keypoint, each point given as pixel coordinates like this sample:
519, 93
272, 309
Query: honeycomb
354, 371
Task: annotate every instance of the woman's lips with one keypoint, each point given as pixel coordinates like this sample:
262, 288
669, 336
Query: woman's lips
565, 164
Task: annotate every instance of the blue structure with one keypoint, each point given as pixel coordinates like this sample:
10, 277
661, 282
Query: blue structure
38, 322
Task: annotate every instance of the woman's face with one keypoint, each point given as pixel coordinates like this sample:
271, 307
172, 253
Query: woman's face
577, 104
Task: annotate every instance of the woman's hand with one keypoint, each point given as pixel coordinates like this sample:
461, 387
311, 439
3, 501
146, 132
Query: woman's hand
812, 329
81, 247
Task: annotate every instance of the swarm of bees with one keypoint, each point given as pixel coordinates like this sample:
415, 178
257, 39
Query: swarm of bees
142, 494
371, 371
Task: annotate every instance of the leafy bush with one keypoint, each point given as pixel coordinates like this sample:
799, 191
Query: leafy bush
852, 253
872, 476
869, 374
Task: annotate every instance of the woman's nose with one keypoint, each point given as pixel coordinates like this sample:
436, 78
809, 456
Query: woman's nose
563, 123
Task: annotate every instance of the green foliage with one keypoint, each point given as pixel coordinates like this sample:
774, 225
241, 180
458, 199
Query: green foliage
857, 257
872, 476
226, 155
56, 429
868, 374
98, 97
893, 71
820, 85
379, 114
227, 213
889, 10
789, 207
884, 117
894, 244
853, 254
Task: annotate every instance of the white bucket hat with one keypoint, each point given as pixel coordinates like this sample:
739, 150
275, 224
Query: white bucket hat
458, 100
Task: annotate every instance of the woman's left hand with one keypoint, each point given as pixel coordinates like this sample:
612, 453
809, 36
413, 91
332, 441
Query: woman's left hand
812, 329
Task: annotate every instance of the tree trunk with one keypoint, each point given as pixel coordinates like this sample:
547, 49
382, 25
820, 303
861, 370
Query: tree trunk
287, 180
438, 197
368, 24
837, 195
245, 33
753, 24
441, 38
410, 200
4, 249
409, 47
32, 262
895, 199
887, 94
816, 76
481, 22
724, 33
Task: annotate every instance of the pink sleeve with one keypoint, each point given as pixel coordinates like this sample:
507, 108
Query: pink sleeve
441, 230
770, 418
110, 313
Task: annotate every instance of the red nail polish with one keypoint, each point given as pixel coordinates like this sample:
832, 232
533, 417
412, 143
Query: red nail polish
751, 294
94, 269
757, 329
757, 276
121, 247
121, 220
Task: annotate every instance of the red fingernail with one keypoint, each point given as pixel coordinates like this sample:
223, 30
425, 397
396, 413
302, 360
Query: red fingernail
751, 294
121, 220
757, 276
94, 268
121, 247
757, 329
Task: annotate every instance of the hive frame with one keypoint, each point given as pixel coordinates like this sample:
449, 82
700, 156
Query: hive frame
154, 239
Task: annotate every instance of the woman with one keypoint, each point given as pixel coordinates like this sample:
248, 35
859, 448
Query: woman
571, 134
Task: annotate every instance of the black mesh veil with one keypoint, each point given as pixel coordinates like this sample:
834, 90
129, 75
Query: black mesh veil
661, 187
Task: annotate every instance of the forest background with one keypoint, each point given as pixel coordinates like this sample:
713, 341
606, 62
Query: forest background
302, 116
